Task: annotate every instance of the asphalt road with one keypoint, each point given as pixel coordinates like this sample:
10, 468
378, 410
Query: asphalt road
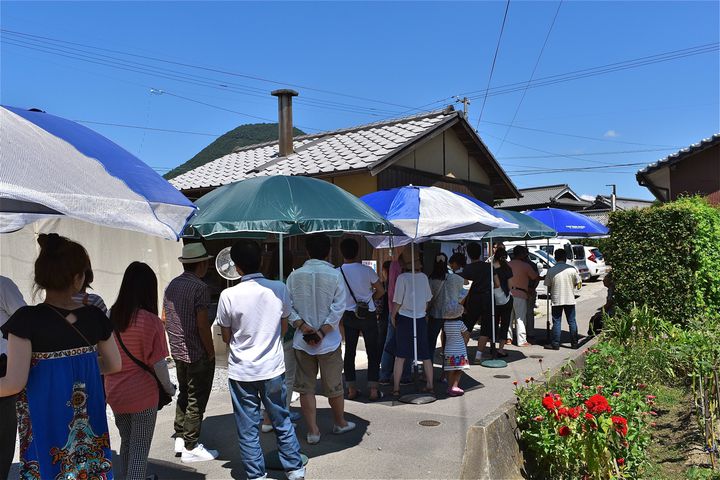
389, 442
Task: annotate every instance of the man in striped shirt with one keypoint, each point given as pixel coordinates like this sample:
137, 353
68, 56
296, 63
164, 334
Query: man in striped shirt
561, 281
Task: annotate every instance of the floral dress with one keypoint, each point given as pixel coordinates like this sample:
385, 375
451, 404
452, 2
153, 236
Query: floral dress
61, 412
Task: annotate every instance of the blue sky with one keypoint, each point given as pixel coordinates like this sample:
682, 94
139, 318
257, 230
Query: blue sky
388, 60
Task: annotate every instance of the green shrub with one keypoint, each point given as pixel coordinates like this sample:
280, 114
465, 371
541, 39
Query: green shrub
668, 258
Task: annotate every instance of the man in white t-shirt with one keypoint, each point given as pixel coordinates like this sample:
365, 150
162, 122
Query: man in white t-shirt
253, 317
318, 295
10, 300
363, 288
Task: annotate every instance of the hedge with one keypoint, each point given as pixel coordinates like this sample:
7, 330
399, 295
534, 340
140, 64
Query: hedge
668, 258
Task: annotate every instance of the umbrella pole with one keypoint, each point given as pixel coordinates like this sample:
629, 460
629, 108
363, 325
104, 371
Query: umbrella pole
281, 259
415, 346
548, 339
492, 299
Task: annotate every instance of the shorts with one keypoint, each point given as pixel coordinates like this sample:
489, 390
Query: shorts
404, 338
477, 309
306, 370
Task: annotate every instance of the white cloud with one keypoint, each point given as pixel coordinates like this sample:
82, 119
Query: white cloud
611, 134
587, 197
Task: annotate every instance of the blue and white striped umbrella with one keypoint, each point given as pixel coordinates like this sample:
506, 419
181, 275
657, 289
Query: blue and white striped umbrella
422, 213
51, 166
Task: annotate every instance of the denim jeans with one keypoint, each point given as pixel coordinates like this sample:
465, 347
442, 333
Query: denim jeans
434, 327
246, 398
557, 311
388, 357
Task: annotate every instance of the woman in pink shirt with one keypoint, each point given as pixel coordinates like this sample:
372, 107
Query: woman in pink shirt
133, 393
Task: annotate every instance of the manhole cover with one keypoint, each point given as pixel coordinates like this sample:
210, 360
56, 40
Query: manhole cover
501, 376
428, 423
536, 356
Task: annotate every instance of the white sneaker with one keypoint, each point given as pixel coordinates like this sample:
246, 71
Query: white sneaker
337, 430
198, 454
265, 428
313, 439
179, 446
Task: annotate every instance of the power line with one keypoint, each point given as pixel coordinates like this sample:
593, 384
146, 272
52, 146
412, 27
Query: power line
580, 136
553, 154
492, 68
532, 75
210, 69
595, 71
152, 70
614, 152
138, 127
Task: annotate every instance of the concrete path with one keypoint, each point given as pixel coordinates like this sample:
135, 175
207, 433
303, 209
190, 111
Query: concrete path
389, 442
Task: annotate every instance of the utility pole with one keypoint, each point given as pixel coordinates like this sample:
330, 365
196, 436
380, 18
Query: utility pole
613, 197
465, 101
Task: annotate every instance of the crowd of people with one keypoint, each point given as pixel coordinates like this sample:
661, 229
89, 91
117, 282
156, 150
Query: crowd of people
68, 356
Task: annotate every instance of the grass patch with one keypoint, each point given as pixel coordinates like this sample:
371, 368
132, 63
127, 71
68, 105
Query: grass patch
676, 450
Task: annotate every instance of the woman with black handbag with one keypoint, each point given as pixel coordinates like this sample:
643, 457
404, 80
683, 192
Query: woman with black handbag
143, 385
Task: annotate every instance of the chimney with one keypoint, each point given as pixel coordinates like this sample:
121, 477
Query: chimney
285, 123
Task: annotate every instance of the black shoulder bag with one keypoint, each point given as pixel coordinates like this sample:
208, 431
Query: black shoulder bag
164, 398
362, 309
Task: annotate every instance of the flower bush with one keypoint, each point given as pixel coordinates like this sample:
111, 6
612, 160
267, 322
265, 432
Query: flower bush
576, 431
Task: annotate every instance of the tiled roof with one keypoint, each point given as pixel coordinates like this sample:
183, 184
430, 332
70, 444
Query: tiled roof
681, 154
543, 195
328, 152
623, 203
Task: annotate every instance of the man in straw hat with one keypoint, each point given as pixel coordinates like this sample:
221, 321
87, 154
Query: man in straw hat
185, 310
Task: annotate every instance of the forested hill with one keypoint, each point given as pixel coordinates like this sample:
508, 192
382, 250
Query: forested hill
242, 136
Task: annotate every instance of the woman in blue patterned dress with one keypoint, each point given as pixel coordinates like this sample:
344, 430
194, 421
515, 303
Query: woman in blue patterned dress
56, 353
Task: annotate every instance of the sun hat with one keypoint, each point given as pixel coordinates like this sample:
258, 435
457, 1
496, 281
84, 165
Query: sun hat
193, 253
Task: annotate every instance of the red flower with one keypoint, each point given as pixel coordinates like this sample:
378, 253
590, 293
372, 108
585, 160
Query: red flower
527, 380
620, 461
539, 418
641, 386
574, 412
620, 425
597, 404
653, 413
564, 431
515, 382
650, 397
616, 394
552, 402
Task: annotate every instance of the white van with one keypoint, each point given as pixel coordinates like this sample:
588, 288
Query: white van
550, 246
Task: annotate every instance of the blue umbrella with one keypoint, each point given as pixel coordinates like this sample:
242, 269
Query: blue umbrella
569, 224
52, 166
420, 213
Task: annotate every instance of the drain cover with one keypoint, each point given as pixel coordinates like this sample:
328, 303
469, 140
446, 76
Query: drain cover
418, 398
536, 356
428, 423
501, 376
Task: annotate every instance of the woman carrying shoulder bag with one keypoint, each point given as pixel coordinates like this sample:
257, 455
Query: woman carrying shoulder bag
133, 393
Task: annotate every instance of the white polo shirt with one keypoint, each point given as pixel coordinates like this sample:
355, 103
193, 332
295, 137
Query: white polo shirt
253, 310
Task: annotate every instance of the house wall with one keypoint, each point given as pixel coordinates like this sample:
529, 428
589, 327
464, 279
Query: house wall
445, 155
358, 184
699, 174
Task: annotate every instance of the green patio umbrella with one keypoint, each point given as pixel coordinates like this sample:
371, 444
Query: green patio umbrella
283, 205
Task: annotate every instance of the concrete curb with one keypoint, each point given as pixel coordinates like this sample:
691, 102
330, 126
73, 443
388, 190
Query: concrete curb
492, 448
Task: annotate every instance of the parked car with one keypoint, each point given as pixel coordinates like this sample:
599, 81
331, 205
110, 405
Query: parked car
595, 262
544, 262
579, 261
